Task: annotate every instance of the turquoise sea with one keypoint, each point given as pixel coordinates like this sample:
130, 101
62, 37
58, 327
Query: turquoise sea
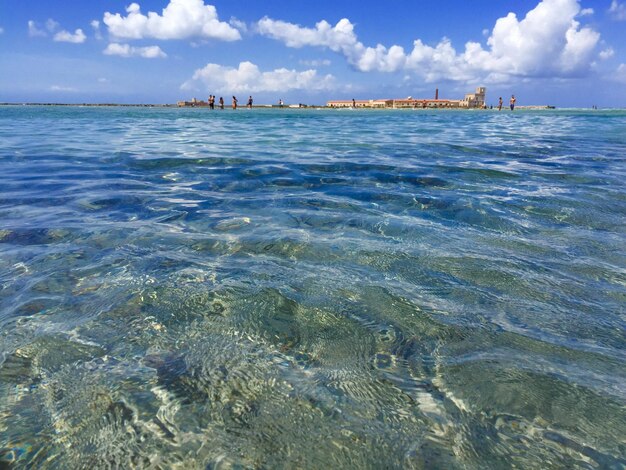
185, 288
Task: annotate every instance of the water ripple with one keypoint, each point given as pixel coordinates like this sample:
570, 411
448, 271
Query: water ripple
311, 288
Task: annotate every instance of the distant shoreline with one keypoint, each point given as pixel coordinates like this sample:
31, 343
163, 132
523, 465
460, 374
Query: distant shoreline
147, 105
272, 106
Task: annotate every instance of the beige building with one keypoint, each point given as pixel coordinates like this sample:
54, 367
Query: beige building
192, 104
425, 103
471, 100
475, 100
359, 103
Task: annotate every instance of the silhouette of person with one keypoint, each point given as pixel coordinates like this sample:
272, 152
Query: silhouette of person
234, 102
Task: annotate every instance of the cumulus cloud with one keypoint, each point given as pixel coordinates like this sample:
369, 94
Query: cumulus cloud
125, 50
339, 38
548, 41
180, 19
248, 78
617, 10
78, 37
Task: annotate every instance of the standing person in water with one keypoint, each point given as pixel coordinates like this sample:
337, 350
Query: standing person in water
512, 102
234, 102
250, 102
500, 104
221, 103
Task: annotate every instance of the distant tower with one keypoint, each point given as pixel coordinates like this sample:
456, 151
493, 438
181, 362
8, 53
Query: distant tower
436, 93
481, 95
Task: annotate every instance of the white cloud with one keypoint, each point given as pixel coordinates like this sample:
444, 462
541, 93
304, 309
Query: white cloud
78, 37
339, 38
247, 78
103, 80
617, 10
586, 12
52, 25
180, 19
49, 27
315, 63
95, 25
238, 24
606, 53
62, 88
548, 41
125, 50
34, 30
442, 61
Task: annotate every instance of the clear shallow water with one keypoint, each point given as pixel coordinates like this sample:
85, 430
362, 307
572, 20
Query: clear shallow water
316, 289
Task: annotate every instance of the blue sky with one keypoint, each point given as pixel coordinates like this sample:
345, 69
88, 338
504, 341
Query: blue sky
559, 52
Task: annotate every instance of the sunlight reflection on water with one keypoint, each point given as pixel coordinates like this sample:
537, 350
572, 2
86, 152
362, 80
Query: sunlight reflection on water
289, 288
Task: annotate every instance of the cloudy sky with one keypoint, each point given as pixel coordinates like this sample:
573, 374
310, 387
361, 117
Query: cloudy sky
560, 52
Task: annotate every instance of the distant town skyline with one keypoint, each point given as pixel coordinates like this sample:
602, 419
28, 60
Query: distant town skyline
555, 52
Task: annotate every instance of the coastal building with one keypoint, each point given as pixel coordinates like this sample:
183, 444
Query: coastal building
471, 100
192, 104
359, 103
477, 99
425, 103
